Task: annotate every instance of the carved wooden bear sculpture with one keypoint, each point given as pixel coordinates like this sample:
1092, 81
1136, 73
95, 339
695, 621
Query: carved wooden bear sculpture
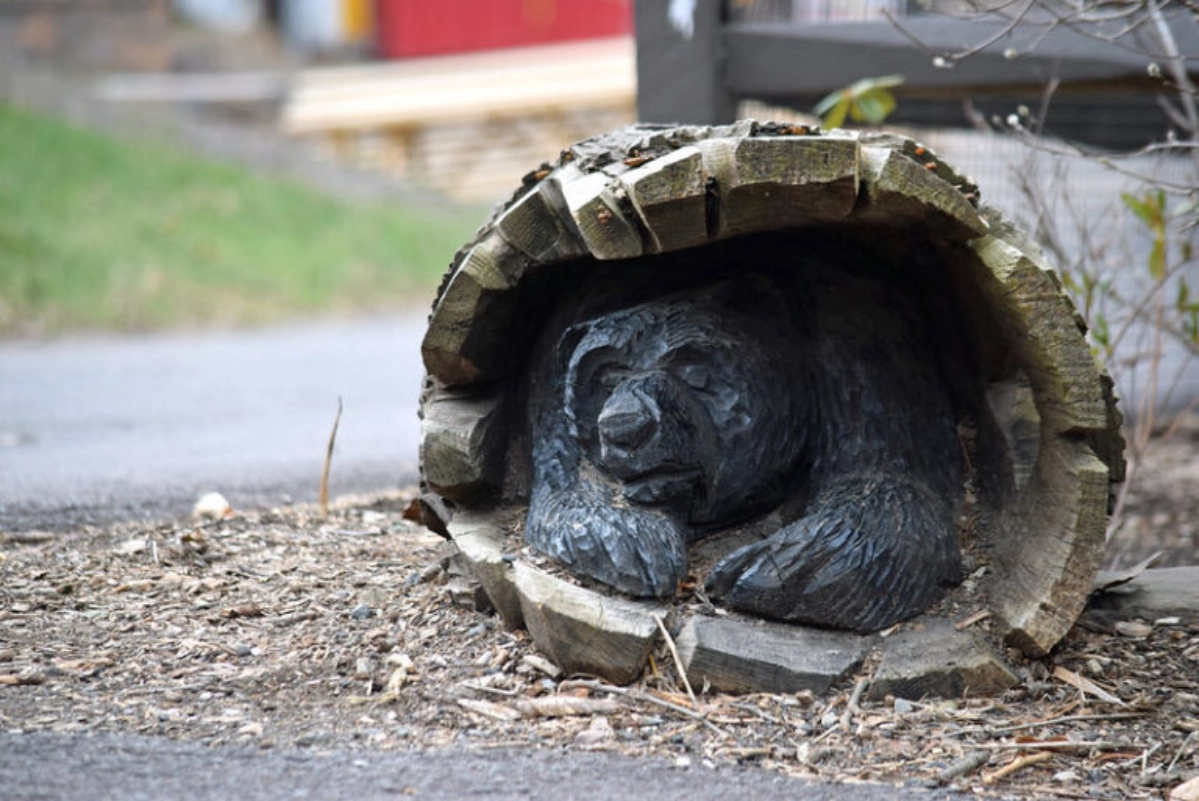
658, 424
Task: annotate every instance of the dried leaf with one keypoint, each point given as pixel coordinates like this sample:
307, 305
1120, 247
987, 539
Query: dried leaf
1133, 628
1085, 685
1187, 791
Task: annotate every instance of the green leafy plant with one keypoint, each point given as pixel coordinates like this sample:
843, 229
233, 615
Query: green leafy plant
868, 101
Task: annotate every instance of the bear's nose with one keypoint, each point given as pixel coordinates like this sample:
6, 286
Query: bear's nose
627, 419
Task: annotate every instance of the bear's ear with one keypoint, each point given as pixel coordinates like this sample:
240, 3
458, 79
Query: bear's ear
753, 295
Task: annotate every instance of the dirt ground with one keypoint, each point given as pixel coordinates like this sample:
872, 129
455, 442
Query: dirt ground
280, 629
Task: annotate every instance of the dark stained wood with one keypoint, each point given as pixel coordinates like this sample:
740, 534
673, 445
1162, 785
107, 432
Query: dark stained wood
788, 59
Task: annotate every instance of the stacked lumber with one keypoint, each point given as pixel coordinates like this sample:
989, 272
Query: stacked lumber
469, 125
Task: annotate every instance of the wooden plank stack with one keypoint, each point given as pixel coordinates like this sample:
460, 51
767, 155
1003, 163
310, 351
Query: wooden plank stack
467, 124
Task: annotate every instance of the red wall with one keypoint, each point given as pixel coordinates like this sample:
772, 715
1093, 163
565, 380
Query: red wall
407, 28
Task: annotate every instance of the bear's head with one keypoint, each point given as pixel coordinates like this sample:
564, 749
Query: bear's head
690, 403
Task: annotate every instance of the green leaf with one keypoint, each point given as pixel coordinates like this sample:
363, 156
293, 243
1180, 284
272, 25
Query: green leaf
1144, 209
873, 106
835, 116
867, 100
1157, 259
830, 100
1138, 208
1184, 294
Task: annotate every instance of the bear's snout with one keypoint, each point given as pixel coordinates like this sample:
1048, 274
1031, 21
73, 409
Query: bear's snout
647, 439
628, 419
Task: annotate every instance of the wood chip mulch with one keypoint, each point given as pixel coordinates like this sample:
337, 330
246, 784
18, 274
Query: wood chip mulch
279, 629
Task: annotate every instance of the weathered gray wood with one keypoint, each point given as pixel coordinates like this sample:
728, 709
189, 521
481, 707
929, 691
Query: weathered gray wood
679, 76
479, 538
1065, 378
902, 187
739, 655
669, 194
583, 631
936, 660
596, 211
1014, 406
537, 225
768, 183
1044, 566
462, 443
464, 342
1155, 594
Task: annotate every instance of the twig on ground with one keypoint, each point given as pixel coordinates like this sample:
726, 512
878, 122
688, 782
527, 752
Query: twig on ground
678, 662
324, 493
855, 698
960, 767
1192, 737
1016, 765
1060, 745
637, 695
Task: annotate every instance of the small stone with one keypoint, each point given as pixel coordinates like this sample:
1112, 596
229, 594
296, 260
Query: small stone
904, 706
212, 506
599, 732
360, 612
1134, 628
682, 762
243, 650
540, 663
131, 546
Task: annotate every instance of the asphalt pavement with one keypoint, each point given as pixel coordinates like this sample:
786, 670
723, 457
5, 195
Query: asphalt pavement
104, 767
100, 429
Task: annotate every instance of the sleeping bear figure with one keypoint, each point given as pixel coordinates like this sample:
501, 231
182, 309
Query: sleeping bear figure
656, 425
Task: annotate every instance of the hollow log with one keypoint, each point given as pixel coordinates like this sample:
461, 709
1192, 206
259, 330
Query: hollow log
867, 224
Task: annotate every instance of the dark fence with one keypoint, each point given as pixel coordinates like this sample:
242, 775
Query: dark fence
697, 60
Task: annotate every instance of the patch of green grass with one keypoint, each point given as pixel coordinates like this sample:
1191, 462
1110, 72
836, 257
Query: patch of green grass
102, 233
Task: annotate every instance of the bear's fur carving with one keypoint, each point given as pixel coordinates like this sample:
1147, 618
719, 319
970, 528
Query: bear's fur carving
655, 425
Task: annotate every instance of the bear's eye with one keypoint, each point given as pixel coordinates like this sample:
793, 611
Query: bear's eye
693, 375
609, 378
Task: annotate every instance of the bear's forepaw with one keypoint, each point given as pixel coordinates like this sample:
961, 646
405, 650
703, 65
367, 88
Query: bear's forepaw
637, 551
873, 550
